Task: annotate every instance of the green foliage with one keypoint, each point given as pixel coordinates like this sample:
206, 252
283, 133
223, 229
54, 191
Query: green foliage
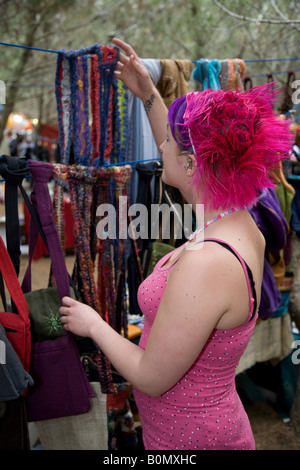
155, 28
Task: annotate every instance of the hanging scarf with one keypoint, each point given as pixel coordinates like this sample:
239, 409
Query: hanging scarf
64, 111
121, 176
106, 264
81, 180
121, 123
59, 177
232, 74
80, 109
103, 84
207, 72
83, 75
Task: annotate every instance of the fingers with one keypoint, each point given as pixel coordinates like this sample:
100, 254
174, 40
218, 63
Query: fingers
126, 47
123, 59
68, 301
64, 309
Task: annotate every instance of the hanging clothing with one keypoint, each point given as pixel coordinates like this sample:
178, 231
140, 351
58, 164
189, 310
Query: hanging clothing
232, 74
82, 76
216, 74
207, 72
141, 144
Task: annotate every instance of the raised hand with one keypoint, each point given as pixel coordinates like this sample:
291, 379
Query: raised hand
132, 72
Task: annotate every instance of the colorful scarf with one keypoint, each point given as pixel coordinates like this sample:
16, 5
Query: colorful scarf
81, 181
87, 76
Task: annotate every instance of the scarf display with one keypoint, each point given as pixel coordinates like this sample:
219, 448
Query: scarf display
100, 267
220, 74
93, 120
85, 85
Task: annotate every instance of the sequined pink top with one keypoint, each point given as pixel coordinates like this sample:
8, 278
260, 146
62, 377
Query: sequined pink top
203, 410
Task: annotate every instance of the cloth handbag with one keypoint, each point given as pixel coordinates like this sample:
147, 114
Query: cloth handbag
88, 431
43, 305
61, 387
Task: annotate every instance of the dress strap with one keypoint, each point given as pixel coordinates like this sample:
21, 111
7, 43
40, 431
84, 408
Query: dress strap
247, 270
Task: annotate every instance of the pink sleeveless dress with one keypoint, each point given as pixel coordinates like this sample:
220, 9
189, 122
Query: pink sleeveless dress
202, 410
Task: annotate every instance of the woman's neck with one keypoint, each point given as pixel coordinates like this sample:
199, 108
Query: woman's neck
202, 213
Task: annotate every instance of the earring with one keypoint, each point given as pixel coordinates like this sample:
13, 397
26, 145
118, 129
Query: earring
189, 165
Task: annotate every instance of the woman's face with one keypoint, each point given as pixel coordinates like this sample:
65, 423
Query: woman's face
171, 168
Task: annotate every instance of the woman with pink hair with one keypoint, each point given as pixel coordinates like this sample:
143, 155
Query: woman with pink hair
201, 301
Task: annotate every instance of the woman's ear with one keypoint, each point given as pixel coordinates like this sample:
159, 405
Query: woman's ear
190, 164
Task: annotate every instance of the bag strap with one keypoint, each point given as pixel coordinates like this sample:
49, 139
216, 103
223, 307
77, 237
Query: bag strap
13, 170
38, 224
40, 199
2, 293
12, 283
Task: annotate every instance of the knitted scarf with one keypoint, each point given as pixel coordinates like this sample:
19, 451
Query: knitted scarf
81, 180
83, 76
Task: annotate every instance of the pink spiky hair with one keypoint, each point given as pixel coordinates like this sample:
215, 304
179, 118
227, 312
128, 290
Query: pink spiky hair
237, 139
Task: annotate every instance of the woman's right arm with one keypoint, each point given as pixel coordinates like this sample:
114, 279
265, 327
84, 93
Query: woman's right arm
136, 77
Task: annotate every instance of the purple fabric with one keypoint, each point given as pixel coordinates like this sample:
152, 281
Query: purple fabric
272, 223
61, 387
270, 220
40, 197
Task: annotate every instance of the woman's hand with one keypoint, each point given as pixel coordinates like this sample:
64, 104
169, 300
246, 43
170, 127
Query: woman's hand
133, 73
79, 318
136, 77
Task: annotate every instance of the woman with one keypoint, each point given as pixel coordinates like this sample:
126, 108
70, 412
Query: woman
200, 303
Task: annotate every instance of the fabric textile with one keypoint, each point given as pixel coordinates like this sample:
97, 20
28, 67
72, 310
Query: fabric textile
174, 80
202, 410
14, 380
16, 325
61, 387
87, 431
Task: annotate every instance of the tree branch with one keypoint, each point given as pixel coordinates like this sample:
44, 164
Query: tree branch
253, 20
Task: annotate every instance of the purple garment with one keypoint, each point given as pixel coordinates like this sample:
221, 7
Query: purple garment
271, 221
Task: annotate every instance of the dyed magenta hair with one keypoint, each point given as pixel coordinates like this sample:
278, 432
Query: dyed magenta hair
237, 139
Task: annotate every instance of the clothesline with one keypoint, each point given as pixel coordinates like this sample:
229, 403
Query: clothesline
273, 73
293, 109
245, 60
57, 52
29, 47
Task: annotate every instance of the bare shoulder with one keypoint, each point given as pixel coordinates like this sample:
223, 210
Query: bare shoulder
215, 279
198, 282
